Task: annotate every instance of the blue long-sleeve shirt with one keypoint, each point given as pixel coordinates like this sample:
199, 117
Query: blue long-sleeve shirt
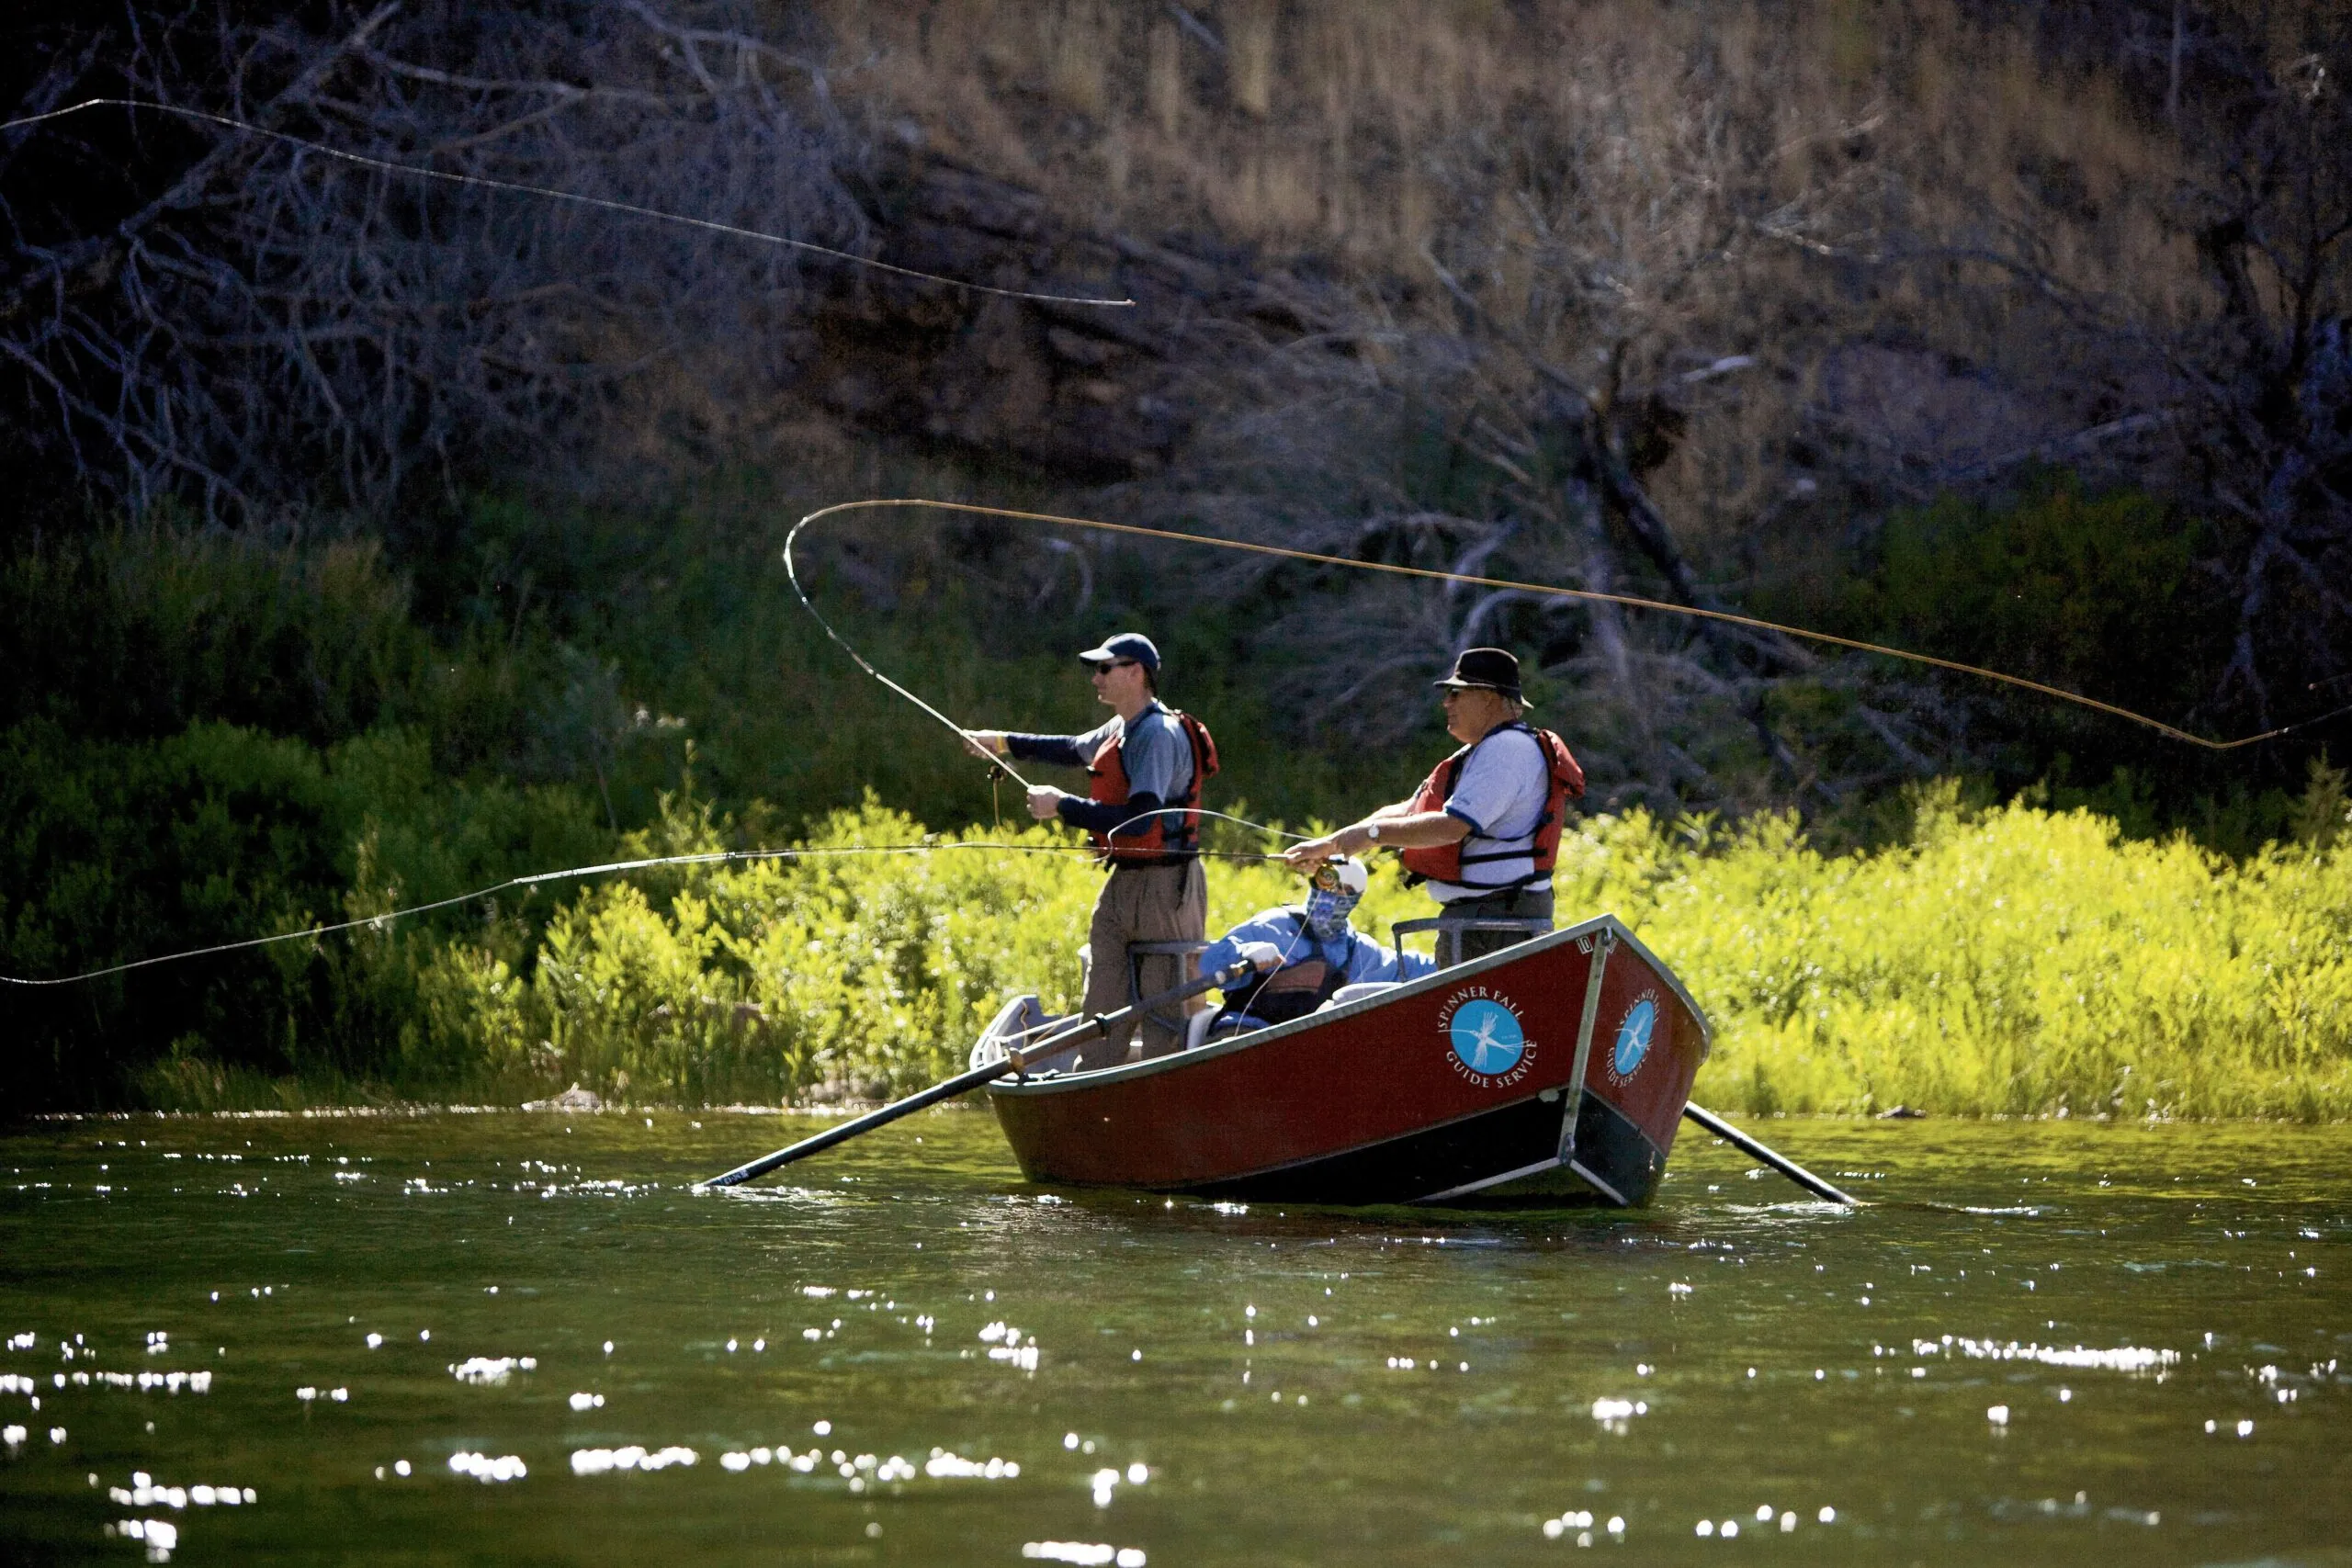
1357, 954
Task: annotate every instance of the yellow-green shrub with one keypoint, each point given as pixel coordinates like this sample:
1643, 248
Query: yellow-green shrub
2017, 962
2020, 961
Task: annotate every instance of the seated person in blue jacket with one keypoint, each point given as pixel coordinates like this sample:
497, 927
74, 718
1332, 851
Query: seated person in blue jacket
1312, 949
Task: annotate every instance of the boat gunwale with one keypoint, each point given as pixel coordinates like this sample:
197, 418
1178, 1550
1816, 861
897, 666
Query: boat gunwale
1128, 1072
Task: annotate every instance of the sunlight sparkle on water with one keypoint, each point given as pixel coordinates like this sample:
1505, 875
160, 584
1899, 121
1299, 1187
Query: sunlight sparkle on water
1086, 1554
482, 1468
597, 1462
490, 1369
1965, 1428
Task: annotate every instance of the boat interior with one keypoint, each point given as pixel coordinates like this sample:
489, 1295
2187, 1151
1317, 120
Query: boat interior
1024, 1019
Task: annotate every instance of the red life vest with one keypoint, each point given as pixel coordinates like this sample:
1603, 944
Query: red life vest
1150, 842
1446, 862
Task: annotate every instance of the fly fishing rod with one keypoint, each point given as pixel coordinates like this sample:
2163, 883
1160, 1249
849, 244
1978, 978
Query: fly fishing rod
1473, 579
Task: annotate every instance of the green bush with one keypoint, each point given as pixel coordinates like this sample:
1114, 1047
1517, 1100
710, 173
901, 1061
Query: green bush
2092, 592
2015, 961
2079, 589
138, 634
861, 972
2008, 960
116, 851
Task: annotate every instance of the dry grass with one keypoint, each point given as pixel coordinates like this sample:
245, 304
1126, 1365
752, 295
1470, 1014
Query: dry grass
1325, 122
1678, 180
1935, 241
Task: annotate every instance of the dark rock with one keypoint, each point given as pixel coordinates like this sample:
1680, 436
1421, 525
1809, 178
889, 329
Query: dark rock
1089, 392
1081, 348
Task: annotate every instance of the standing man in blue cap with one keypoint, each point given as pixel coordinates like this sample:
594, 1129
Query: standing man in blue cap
1484, 829
1148, 763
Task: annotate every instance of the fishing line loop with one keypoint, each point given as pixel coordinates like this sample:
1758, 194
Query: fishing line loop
792, 574
1552, 590
1133, 530
601, 204
577, 874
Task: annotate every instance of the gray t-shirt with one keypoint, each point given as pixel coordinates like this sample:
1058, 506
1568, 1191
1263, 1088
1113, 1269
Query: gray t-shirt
1158, 758
1154, 750
1504, 786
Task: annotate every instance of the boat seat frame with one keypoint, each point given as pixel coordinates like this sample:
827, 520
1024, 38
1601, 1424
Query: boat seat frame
1452, 926
1137, 951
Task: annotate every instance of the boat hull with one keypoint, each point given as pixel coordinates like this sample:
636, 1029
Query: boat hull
1456, 1088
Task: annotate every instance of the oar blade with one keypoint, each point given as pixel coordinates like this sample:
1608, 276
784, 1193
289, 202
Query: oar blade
1780, 1162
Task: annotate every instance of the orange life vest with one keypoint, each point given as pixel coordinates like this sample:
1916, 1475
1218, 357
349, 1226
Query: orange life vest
1446, 862
1150, 842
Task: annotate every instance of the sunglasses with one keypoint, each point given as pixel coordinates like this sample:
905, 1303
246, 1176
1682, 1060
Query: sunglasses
1107, 665
1327, 879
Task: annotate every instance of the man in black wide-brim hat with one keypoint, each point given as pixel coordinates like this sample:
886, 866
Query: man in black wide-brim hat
1483, 830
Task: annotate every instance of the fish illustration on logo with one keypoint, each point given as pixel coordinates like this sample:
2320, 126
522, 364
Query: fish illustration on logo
1633, 1037
1486, 1039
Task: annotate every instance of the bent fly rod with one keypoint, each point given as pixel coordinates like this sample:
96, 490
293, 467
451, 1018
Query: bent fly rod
1474, 580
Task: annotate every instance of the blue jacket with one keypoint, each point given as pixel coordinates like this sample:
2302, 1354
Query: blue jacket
1357, 954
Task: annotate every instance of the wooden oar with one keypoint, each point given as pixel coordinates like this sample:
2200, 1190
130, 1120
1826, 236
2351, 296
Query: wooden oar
1782, 1163
1017, 1059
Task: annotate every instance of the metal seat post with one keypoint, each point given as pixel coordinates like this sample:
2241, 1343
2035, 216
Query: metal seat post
1139, 950
1452, 926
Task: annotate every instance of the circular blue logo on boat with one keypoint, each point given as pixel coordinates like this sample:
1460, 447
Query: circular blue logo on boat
1486, 1037
1633, 1038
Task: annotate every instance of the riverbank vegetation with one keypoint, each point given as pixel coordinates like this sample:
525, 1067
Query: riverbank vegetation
2006, 961
209, 737
224, 740
374, 541
2011, 961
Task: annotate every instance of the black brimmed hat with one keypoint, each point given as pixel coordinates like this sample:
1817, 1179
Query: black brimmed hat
1491, 669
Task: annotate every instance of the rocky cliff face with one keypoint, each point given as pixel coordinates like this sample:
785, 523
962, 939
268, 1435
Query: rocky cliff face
1093, 393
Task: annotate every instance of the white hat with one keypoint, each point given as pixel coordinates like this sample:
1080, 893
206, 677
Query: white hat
1353, 878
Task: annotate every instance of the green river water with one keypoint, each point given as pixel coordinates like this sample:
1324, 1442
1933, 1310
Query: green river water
519, 1338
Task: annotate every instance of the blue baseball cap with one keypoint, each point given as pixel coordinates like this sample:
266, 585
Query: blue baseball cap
1126, 644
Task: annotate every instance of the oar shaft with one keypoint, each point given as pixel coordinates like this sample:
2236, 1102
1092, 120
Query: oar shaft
1780, 1162
1017, 1060
866, 1123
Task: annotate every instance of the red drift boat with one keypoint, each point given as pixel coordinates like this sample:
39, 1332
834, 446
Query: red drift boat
1557, 1068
